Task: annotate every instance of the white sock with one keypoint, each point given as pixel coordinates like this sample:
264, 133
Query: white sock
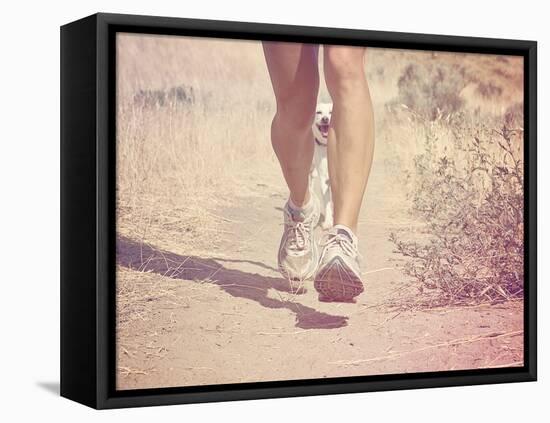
304, 207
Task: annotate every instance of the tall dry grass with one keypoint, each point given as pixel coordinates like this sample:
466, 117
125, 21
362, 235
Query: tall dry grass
194, 142
193, 123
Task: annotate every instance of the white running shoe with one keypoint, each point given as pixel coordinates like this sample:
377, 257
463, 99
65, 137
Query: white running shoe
298, 252
338, 276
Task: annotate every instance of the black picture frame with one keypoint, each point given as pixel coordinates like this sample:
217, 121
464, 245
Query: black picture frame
88, 210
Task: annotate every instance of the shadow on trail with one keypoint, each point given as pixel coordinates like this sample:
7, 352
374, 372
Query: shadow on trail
145, 258
255, 263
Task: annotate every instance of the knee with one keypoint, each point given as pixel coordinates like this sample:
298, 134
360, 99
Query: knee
344, 67
296, 106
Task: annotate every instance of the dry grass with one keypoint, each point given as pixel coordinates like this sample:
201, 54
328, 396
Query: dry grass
466, 185
185, 127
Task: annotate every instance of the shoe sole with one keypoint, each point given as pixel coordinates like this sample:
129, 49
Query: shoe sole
337, 282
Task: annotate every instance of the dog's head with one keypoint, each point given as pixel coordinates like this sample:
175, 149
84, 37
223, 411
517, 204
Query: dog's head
322, 122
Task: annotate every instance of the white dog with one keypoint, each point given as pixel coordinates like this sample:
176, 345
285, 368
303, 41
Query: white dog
318, 175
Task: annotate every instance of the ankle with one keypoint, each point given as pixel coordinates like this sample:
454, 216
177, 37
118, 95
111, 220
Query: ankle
350, 231
300, 205
345, 222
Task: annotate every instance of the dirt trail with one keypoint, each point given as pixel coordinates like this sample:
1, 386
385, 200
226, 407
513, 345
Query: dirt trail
229, 317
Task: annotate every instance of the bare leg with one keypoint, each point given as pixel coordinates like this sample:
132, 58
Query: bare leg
351, 133
293, 69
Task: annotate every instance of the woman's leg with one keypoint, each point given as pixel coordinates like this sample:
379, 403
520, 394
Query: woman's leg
350, 149
294, 73
293, 69
351, 134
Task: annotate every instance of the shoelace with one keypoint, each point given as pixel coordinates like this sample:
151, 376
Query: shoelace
342, 242
299, 233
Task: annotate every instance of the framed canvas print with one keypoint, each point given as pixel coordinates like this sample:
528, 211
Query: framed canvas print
254, 210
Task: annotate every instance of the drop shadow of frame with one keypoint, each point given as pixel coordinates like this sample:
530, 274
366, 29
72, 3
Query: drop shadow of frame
139, 256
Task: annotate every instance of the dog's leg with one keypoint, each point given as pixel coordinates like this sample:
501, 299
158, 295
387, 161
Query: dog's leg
315, 182
328, 222
326, 200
